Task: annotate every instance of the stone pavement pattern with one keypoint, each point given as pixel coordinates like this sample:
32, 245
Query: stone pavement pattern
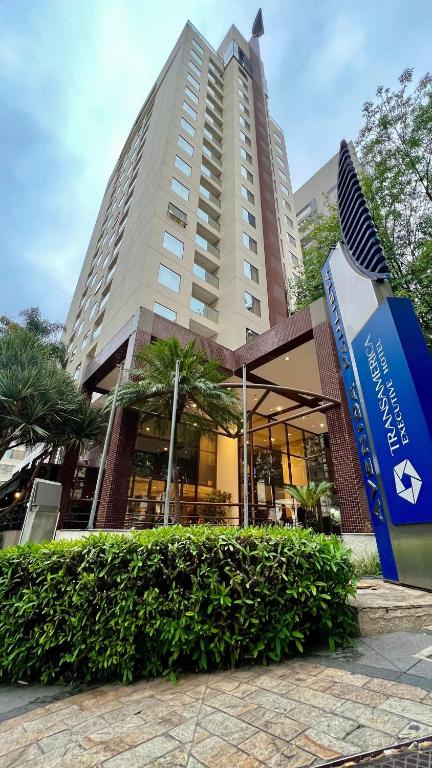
295, 714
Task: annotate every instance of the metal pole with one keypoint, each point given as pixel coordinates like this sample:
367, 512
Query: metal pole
171, 445
245, 454
104, 452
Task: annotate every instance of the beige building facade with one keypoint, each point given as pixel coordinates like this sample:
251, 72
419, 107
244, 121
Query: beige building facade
180, 230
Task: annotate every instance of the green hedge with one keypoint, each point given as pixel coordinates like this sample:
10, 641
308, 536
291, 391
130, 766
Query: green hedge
127, 606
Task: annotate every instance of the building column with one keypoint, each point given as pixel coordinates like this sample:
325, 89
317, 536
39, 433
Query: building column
348, 481
114, 494
66, 478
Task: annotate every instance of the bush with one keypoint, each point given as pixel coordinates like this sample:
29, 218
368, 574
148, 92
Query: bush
366, 565
127, 606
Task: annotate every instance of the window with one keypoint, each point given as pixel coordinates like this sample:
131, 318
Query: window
243, 96
278, 140
246, 174
250, 243
191, 95
180, 189
282, 175
244, 109
244, 123
77, 372
281, 162
98, 285
196, 58
187, 127
245, 155
169, 278
291, 239
186, 147
294, 259
248, 217
250, 334
93, 310
195, 69
159, 309
245, 138
85, 340
284, 190
286, 205
182, 166
252, 304
173, 245
243, 84
187, 108
250, 271
247, 194
199, 48
175, 213
289, 221
192, 81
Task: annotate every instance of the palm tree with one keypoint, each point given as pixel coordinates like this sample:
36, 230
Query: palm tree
44, 330
201, 402
308, 496
39, 402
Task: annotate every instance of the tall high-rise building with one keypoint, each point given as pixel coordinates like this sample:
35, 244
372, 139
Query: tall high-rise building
197, 222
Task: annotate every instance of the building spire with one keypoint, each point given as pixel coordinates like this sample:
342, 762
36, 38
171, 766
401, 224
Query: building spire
258, 25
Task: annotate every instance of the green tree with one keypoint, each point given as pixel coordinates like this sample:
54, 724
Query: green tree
308, 496
395, 152
39, 402
201, 401
47, 332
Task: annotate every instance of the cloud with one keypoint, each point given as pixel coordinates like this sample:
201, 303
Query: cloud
340, 51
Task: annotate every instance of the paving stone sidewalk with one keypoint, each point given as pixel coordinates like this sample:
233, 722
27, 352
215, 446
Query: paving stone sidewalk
299, 713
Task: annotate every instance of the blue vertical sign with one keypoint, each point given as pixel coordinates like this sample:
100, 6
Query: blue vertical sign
364, 448
394, 368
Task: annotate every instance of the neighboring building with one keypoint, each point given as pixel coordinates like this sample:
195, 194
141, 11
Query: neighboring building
10, 461
197, 222
197, 237
314, 195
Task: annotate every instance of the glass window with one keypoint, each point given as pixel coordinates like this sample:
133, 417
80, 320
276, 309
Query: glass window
286, 205
284, 190
85, 340
294, 259
281, 162
195, 69
291, 239
199, 48
92, 311
196, 58
180, 189
250, 334
191, 95
187, 108
243, 84
243, 96
245, 155
244, 123
77, 371
182, 166
187, 127
192, 81
159, 309
252, 304
246, 174
248, 217
282, 175
245, 138
250, 243
289, 221
169, 278
247, 194
278, 140
173, 244
98, 285
244, 109
250, 271
188, 148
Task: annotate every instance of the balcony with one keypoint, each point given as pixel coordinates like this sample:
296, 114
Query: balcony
216, 125
216, 74
207, 246
204, 192
211, 137
204, 275
212, 155
204, 310
205, 216
213, 181
215, 96
216, 85
214, 107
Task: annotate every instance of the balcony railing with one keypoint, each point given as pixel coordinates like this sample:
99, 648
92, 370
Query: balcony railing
206, 246
211, 156
209, 196
204, 216
214, 123
200, 308
212, 137
204, 275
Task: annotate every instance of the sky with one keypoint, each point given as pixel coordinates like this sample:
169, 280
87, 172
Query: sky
74, 74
